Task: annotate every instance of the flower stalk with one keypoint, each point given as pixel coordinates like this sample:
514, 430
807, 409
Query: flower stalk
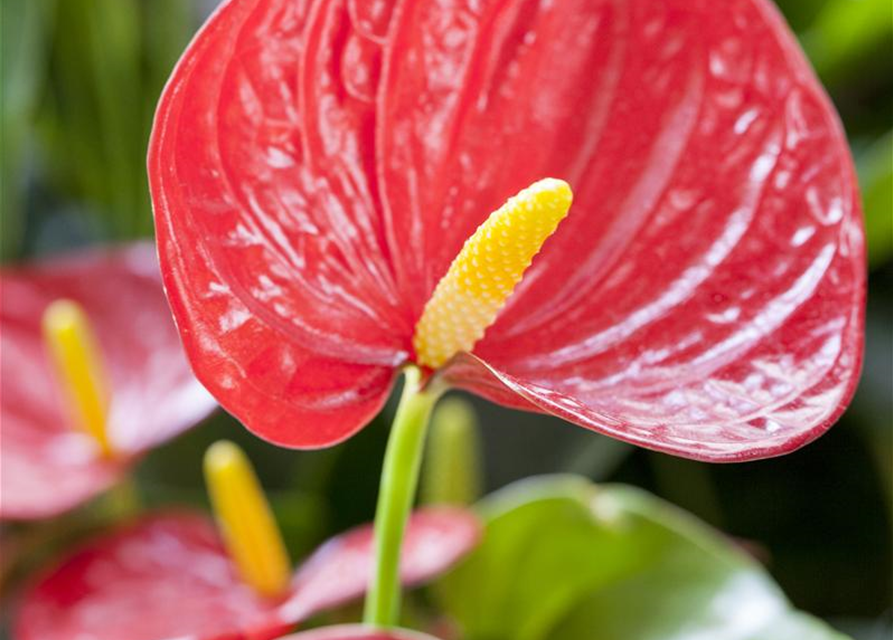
397, 491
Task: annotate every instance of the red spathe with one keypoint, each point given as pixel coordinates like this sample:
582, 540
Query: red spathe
47, 466
314, 170
168, 576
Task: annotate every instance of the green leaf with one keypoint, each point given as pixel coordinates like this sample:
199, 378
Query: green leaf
108, 62
876, 179
565, 560
846, 33
800, 13
23, 34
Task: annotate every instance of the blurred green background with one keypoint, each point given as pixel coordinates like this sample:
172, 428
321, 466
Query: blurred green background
80, 79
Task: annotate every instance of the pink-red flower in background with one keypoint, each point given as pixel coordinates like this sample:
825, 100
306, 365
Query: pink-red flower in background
316, 166
48, 466
169, 576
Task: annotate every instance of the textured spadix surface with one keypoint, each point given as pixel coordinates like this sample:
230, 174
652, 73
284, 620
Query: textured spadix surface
168, 576
486, 271
48, 464
315, 167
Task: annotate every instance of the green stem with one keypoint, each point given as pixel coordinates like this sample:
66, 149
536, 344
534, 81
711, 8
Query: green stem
122, 501
396, 494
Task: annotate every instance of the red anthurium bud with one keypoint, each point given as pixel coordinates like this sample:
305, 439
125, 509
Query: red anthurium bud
169, 576
316, 167
358, 632
49, 464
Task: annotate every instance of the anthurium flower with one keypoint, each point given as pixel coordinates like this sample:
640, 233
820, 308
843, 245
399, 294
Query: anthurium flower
169, 576
49, 463
316, 169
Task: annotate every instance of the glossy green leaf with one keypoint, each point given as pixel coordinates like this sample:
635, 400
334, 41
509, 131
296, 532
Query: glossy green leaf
565, 560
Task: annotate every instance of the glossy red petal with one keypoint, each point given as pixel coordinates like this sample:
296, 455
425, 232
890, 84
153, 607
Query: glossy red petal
703, 298
479, 100
705, 295
270, 235
168, 576
358, 632
47, 466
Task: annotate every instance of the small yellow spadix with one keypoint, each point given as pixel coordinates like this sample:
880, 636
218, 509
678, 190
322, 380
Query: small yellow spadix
481, 278
245, 520
77, 361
